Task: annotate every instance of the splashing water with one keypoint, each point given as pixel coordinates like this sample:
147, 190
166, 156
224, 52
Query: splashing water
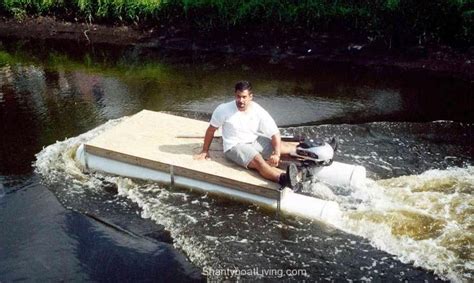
425, 219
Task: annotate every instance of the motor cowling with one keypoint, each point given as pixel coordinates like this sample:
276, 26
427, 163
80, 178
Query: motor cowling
316, 151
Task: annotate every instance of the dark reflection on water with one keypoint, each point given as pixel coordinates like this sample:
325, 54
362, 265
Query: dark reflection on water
108, 255
42, 241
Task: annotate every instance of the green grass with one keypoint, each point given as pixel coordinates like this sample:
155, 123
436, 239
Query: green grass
402, 22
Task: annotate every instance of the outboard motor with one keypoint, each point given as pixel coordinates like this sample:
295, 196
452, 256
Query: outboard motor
315, 152
315, 156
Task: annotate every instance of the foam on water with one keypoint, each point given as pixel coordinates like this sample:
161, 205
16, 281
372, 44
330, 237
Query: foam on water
425, 219
56, 163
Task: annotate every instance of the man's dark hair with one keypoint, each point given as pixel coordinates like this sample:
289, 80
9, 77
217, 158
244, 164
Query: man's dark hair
243, 85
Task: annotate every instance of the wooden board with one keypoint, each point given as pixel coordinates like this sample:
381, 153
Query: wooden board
154, 140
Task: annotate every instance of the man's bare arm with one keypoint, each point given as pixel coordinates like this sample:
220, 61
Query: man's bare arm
276, 144
204, 154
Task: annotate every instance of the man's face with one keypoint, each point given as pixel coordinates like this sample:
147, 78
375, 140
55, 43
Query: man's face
243, 99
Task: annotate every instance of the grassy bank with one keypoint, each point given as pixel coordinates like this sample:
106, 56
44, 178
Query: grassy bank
396, 23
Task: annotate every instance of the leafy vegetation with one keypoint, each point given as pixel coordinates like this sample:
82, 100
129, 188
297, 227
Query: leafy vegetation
397, 22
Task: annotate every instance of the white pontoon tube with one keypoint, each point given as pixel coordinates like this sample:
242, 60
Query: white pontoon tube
291, 203
341, 175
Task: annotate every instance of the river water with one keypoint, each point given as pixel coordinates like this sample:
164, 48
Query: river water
413, 133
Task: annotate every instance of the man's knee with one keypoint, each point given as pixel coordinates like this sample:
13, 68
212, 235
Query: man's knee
257, 162
288, 147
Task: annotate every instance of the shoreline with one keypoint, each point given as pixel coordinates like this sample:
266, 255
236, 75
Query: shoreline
338, 48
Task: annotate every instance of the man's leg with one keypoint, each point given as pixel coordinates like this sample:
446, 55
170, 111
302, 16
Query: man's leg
265, 147
265, 170
287, 148
274, 174
246, 155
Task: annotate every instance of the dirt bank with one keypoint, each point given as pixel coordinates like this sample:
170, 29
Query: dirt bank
338, 48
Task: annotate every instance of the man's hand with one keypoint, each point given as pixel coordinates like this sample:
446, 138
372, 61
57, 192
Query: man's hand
203, 155
274, 160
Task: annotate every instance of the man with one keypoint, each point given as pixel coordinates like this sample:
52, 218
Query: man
250, 137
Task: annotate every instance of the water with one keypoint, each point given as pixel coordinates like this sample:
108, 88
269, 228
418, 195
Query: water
2, 191
41, 240
412, 221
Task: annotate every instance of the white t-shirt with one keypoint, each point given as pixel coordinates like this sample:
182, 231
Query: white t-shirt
242, 127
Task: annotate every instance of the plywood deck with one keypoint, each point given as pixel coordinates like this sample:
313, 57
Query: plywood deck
154, 140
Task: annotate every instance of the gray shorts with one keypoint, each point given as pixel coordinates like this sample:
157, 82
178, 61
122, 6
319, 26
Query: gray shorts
243, 153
